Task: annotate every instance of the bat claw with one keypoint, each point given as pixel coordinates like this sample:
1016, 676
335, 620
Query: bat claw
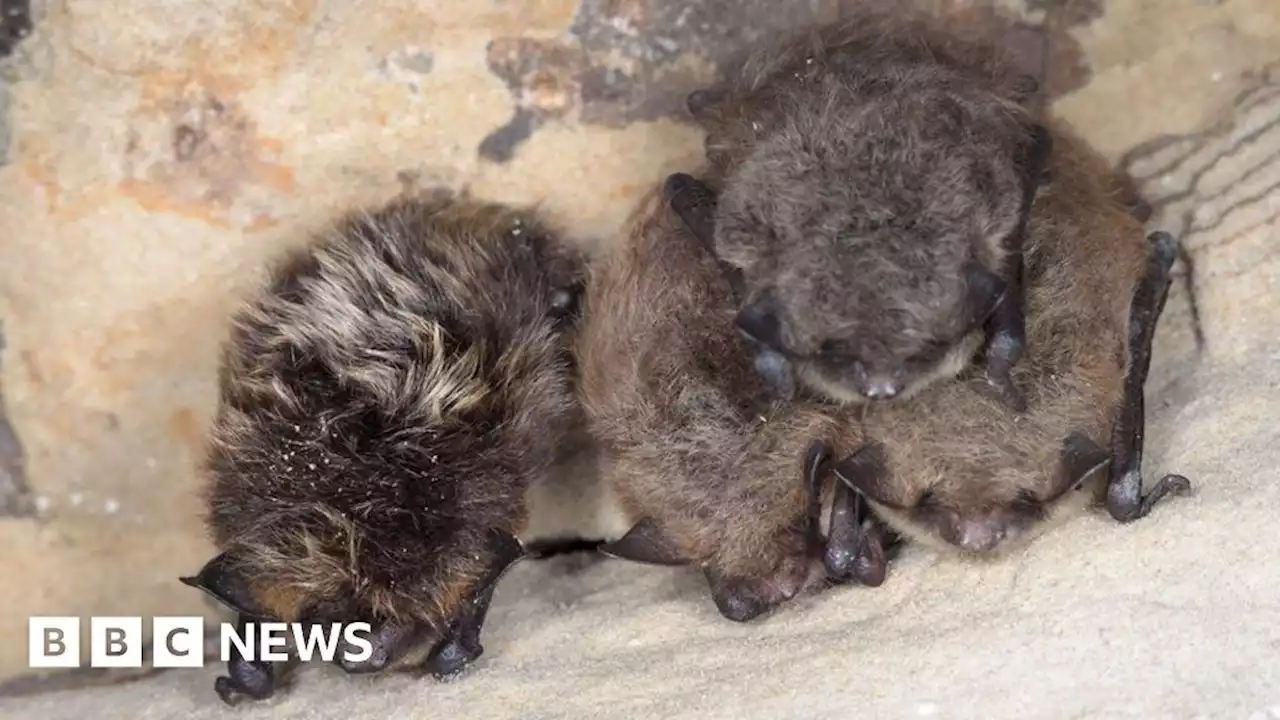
226, 689
872, 562
1168, 485
1125, 500
251, 679
453, 655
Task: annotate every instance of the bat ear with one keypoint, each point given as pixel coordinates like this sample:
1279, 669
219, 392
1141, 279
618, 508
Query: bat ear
1081, 460
986, 291
695, 202
760, 320
700, 102
220, 580
679, 183
644, 543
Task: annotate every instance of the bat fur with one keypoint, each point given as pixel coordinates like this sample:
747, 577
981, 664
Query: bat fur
708, 463
387, 401
955, 468
873, 180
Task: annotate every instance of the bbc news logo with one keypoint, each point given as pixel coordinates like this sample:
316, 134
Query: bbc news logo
178, 642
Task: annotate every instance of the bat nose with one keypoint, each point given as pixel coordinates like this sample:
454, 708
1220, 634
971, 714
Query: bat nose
979, 535
882, 388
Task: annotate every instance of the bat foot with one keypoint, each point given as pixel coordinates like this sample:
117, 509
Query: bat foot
1126, 502
226, 690
246, 679
858, 542
742, 599
250, 678
452, 656
461, 646
856, 546
867, 566
872, 561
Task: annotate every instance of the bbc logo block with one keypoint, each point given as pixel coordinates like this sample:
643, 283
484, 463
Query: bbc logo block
115, 642
53, 642
179, 642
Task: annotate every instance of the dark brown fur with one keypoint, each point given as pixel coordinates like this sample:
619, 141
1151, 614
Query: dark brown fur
966, 471
872, 179
386, 403
692, 443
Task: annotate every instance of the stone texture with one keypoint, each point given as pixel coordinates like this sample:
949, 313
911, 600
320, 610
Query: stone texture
4, 123
15, 497
622, 61
163, 150
1219, 191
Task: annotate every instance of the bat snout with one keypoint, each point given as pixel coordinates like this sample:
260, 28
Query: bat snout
881, 387
977, 535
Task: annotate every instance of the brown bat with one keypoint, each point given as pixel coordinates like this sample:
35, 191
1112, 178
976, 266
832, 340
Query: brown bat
713, 468
872, 183
958, 469
386, 403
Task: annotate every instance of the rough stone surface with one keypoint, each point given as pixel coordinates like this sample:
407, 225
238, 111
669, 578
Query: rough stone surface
163, 150
15, 497
4, 123
622, 61
1218, 190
